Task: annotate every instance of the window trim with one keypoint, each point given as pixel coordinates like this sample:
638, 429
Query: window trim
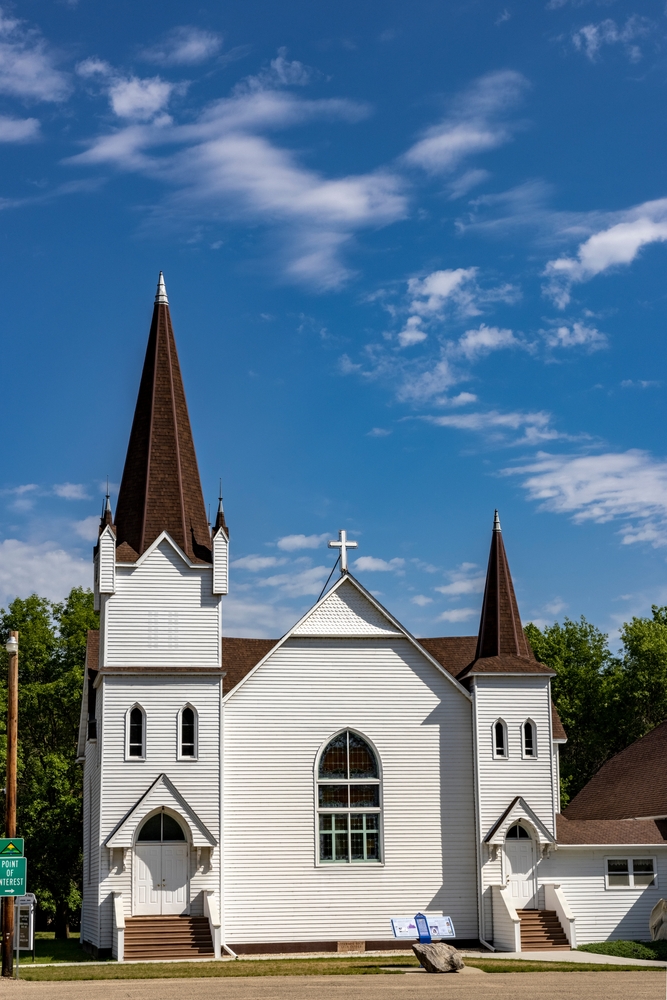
129, 756
631, 887
179, 733
496, 755
377, 810
533, 755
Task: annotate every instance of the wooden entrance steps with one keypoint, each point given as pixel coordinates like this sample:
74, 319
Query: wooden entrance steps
167, 937
541, 930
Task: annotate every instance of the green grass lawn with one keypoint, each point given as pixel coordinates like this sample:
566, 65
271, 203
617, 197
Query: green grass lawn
295, 967
47, 949
655, 950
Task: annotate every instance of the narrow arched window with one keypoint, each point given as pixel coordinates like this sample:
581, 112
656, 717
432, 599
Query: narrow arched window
188, 732
136, 739
348, 801
500, 739
529, 748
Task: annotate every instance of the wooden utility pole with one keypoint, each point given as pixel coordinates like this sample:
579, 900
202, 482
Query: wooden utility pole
10, 796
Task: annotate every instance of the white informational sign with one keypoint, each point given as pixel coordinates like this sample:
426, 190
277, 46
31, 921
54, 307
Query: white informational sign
439, 927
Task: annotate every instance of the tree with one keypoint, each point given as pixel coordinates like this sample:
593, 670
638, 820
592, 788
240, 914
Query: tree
52, 644
582, 689
640, 696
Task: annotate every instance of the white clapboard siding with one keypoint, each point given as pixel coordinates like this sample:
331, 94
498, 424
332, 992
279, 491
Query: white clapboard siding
91, 851
515, 700
162, 697
107, 561
274, 726
220, 562
162, 614
345, 611
605, 914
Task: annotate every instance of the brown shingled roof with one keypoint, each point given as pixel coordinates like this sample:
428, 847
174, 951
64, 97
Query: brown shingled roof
631, 784
453, 652
610, 831
160, 489
93, 649
239, 656
557, 728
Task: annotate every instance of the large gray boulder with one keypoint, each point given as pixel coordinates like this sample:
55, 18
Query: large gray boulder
438, 957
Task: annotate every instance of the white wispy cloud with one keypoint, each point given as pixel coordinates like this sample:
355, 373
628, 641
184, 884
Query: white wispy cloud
223, 166
627, 486
421, 600
533, 427
28, 68
292, 543
475, 344
185, 45
254, 618
477, 122
592, 37
371, 564
18, 129
45, 569
256, 564
614, 245
303, 583
576, 335
133, 98
281, 72
465, 579
88, 528
458, 614
71, 491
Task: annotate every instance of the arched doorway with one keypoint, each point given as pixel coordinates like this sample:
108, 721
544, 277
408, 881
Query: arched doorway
520, 867
161, 857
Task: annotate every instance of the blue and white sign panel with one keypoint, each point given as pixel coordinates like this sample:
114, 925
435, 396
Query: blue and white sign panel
439, 927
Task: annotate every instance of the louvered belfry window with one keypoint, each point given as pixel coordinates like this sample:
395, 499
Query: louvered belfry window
348, 801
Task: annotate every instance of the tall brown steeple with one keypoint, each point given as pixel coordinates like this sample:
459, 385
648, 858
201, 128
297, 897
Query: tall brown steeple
502, 646
160, 489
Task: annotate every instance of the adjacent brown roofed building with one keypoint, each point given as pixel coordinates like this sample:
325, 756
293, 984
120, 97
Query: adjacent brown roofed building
160, 489
632, 785
610, 831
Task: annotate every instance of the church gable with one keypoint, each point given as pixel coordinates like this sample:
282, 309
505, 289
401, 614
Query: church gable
346, 611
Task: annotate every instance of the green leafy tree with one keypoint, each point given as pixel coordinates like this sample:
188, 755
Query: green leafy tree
582, 689
52, 645
640, 695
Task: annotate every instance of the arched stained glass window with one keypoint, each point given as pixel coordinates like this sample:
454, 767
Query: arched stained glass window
348, 801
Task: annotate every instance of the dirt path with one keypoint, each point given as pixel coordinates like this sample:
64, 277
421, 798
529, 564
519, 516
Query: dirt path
505, 986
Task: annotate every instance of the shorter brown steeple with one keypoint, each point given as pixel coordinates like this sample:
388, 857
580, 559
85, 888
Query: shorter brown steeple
502, 646
160, 489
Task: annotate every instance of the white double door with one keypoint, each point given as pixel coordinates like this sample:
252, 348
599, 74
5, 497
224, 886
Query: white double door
160, 879
520, 872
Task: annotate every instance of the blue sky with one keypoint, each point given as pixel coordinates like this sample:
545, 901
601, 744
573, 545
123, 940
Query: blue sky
415, 257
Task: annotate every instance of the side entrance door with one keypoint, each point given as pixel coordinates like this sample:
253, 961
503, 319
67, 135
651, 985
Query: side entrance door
160, 879
520, 857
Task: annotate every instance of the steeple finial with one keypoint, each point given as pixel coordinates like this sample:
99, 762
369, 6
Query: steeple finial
496, 521
107, 516
220, 516
161, 294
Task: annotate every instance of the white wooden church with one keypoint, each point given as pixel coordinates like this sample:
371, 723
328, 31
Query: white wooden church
253, 796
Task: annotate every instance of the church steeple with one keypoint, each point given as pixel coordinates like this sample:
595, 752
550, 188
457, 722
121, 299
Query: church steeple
500, 629
160, 489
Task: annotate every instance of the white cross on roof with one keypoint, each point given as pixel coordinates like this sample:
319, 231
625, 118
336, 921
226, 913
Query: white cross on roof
343, 544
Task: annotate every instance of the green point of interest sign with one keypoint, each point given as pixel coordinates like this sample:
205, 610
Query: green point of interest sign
13, 873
